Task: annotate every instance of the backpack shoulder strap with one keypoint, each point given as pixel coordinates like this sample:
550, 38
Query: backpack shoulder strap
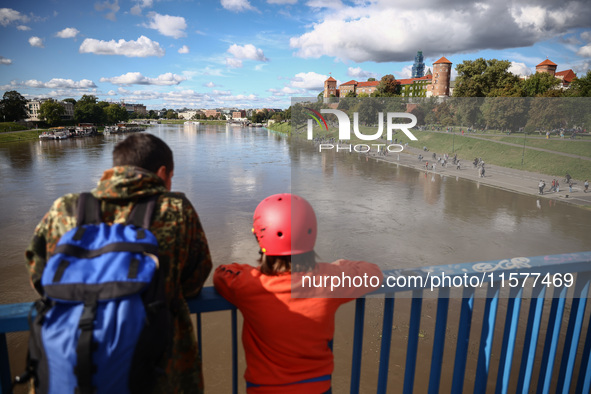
141, 213
88, 210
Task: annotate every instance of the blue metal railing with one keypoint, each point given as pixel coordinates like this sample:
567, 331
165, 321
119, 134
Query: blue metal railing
556, 327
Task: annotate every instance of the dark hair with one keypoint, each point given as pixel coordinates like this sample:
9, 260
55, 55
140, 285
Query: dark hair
143, 150
273, 265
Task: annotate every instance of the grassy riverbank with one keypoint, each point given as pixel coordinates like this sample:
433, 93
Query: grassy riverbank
27, 135
503, 155
492, 151
281, 127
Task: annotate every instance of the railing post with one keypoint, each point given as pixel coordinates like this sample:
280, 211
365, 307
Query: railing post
439, 340
463, 340
573, 332
536, 307
387, 324
486, 338
5, 377
508, 347
234, 350
584, 383
413, 341
551, 342
357, 345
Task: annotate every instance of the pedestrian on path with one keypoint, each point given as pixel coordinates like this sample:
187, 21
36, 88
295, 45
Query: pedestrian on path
570, 186
586, 186
557, 186
541, 187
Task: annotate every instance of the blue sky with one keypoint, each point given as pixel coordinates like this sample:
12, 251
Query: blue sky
260, 53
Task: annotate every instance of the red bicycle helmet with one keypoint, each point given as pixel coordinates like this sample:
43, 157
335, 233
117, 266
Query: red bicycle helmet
285, 224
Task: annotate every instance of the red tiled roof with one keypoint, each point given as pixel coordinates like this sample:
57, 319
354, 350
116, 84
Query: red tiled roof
331, 79
368, 83
351, 82
410, 81
442, 60
567, 75
546, 63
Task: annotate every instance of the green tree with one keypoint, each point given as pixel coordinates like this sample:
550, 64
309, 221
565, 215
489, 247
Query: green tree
351, 94
116, 113
13, 106
87, 110
171, 114
51, 111
483, 78
70, 100
538, 84
371, 79
581, 87
388, 87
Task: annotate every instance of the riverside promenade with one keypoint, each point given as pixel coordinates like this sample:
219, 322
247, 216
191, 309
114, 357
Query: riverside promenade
511, 179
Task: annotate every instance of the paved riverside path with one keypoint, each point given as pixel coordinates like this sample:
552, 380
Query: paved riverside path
518, 181
476, 137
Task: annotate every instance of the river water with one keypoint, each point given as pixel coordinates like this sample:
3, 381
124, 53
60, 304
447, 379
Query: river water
367, 209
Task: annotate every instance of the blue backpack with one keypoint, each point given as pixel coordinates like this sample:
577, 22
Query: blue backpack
103, 325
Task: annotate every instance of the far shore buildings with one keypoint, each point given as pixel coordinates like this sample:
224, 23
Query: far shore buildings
34, 106
566, 76
435, 84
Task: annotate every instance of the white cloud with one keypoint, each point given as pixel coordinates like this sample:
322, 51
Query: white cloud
358, 73
60, 83
585, 51
233, 62
210, 85
324, 4
137, 9
142, 47
216, 92
586, 36
282, 1
111, 93
184, 49
167, 25
23, 28
309, 81
247, 51
68, 32
519, 69
8, 15
388, 31
237, 5
112, 9
36, 42
5, 61
136, 78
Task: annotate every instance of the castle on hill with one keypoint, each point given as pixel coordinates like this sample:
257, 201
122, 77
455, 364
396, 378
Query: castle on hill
433, 84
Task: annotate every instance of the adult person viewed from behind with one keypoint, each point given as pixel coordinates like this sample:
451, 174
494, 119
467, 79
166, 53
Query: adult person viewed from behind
143, 166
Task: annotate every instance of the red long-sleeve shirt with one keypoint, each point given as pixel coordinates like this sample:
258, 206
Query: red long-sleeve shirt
286, 339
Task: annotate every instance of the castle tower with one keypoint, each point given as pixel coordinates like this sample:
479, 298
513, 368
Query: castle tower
546, 67
330, 87
418, 68
441, 77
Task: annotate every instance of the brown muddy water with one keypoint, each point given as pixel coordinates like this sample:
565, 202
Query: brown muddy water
367, 210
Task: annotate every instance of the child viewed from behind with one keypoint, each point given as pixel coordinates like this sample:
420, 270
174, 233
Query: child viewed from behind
287, 339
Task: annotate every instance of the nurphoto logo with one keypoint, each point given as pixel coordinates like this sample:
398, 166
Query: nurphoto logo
345, 129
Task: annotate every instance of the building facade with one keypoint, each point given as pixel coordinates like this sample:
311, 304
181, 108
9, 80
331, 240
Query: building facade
418, 68
435, 84
34, 106
138, 108
565, 77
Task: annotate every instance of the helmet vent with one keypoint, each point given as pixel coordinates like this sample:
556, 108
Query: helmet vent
279, 234
309, 231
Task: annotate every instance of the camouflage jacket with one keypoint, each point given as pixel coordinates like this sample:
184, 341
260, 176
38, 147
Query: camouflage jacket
183, 250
